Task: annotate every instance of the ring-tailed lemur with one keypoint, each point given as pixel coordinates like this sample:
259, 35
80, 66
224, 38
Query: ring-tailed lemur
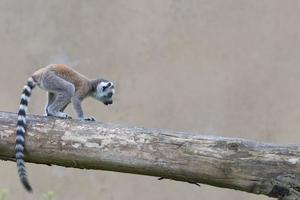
64, 86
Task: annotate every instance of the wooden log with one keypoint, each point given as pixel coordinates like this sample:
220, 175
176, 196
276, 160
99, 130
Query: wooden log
245, 165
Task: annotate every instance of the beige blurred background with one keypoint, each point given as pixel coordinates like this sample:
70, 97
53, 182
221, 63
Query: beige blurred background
228, 68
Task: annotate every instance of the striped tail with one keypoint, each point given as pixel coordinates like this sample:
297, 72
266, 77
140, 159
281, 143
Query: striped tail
21, 130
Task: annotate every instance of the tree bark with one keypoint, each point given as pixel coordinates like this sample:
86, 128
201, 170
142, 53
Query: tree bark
268, 169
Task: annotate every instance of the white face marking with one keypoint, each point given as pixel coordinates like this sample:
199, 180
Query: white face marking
101, 86
105, 91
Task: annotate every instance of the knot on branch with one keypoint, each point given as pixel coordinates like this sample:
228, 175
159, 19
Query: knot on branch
279, 191
285, 187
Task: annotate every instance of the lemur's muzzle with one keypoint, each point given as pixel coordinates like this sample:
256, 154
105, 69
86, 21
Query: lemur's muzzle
108, 102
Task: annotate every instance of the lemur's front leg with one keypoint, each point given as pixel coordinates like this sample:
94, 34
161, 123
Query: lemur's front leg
76, 101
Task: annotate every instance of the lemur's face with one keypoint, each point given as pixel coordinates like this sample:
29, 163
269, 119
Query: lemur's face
105, 91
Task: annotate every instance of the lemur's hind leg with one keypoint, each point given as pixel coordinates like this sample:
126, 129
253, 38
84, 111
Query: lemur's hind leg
51, 98
62, 99
60, 94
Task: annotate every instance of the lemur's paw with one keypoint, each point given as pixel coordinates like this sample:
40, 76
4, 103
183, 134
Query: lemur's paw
63, 115
90, 119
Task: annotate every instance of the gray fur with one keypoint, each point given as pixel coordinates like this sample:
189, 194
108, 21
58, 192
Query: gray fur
60, 93
51, 98
77, 106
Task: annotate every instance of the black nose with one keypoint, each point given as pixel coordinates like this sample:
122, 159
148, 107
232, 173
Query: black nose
108, 102
109, 95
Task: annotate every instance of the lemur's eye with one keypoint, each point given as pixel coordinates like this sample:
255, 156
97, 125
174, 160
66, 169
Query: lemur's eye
104, 88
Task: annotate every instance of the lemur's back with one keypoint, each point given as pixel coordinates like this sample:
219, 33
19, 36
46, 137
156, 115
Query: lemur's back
64, 72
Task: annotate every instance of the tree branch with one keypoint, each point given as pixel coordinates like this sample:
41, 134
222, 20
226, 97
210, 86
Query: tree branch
268, 169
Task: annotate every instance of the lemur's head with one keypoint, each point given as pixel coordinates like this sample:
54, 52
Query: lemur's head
104, 91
